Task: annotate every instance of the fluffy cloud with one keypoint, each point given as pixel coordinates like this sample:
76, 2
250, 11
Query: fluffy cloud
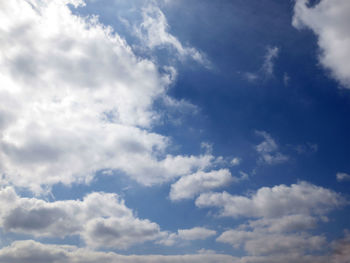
282, 216
101, 219
268, 150
257, 244
72, 103
329, 19
196, 233
191, 185
34, 252
302, 198
343, 177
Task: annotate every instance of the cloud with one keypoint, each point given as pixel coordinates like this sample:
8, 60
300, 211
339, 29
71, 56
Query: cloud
281, 217
341, 177
268, 150
267, 69
301, 198
329, 20
101, 219
189, 186
259, 244
33, 252
236, 161
196, 233
154, 33
341, 249
72, 103
270, 56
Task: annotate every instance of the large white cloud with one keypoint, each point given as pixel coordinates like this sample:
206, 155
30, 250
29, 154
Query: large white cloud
34, 252
281, 218
75, 99
100, 219
329, 19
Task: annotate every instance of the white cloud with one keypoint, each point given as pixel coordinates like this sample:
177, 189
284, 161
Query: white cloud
190, 185
34, 252
343, 177
268, 150
257, 244
154, 33
282, 217
302, 198
270, 57
197, 233
236, 161
267, 69
101, 219
329, 19
72, 103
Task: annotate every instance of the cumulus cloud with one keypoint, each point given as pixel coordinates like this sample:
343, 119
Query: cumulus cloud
329, 20
343, 177
236, 161
256, 243
301, 198
196, 233
268, 150
33, 252
101, 219
189, 186
281, 218
72, 103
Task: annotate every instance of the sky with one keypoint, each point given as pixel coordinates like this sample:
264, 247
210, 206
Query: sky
174, 131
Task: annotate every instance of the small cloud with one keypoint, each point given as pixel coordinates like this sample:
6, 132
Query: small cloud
244, 176
236, 161
286, 79
267, 68
268, 150
341, 177
269, 62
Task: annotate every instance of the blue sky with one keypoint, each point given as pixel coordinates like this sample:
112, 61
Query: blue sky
174, 131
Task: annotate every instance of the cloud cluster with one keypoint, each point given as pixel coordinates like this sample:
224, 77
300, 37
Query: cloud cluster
329, 19
100, 219
72, 103
282, 216
301, 198
34, 252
